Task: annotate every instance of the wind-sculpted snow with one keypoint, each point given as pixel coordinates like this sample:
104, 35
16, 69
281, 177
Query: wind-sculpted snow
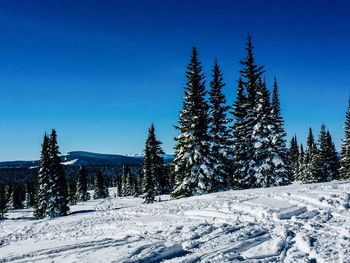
297, 223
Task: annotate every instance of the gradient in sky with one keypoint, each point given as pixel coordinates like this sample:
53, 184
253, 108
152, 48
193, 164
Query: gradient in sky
101, 72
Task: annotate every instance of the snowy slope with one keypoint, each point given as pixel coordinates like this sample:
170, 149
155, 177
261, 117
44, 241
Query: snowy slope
297, 223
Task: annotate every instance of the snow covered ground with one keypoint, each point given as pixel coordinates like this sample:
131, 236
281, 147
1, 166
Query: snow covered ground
297, 223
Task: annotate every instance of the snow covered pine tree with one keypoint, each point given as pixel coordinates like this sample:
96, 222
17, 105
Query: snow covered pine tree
221, 138
193, 163
58, 194
153, 171
345, 149
82, 187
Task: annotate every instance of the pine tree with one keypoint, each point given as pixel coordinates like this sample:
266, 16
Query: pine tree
72, 192
301, 165
333, 159
10, 197
119, 186
345, 148
27, 201
280, 169
82, 187
153, 170
241, 140
326, 155
43, 184
245, 120
100, 189
311, 173
262, 156
3, 202
193, 162
293, 157
58, 194
221, 143
128, 188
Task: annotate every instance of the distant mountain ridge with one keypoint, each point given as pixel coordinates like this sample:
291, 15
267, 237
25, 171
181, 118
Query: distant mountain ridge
86, 158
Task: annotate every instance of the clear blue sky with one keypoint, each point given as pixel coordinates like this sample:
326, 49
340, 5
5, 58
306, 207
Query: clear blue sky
101, 71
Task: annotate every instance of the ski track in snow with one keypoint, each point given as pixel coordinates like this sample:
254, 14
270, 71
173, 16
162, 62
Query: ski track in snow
296, 223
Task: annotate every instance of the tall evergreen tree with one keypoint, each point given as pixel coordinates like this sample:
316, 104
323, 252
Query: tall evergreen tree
241, 140
245, 119
293, 157
311, 170
280, 169
218, 129
100, 189
327, 156
301, 165
262, 156
128, 188
333, 159
345, 148
82, 186
43, 184
72, 192
193, 162
153, 170
58, 195
3, 202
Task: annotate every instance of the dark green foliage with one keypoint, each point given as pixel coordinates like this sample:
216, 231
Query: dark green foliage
280, 170
100, 189
42, 192
293, 157
193, 162
345, 148
58, 194
3, 202
245, 119
127, 182
312, 169
154, 177
72, 192
328, 159
82, 185
221, 140
242, 145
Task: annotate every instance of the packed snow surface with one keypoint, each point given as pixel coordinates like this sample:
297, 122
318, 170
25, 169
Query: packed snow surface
296, 223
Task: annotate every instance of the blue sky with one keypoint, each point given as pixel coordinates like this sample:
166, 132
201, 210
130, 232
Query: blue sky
101, 72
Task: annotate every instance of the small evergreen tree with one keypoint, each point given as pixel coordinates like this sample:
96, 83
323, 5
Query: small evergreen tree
328, 158
58, 194
311, 173
153, 170
301, 165
333, 159
345, 148
10, 200
43, 184
293, 157
128, 188
3, 202
72, 192
220, 142
100, 189
193, 162
82, 186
